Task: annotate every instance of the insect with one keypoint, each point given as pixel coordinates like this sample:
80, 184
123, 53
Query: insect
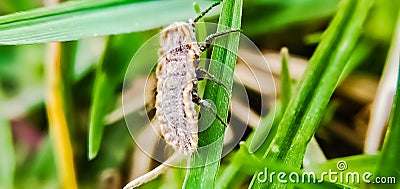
177, 75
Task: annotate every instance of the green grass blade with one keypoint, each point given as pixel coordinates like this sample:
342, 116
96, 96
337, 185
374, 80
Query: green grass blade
205, 165
256, 144
109, 76
7, 158
265, 132
281, 14
305, 109
389, 162
82, 19
269, 124
286, 86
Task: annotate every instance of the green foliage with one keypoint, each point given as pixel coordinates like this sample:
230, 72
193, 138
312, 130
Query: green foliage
82, 19
305, 110
109, 76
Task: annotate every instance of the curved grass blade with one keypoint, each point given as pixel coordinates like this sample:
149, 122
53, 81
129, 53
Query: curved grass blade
388, 163
109, 76
82, 19
286, 85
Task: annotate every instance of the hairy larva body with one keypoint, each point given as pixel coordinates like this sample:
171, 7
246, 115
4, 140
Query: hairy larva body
176, 76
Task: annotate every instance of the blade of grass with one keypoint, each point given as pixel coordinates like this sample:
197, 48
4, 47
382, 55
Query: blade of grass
305, 109
258, 143
82, 19
7, 158
201, 34
286, 86
224, 51
56, 112
388, 162
269, 124
278, 15
109, 76
380, 114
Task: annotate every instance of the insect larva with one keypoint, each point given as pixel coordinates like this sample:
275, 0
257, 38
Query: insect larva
177, 74
176, 71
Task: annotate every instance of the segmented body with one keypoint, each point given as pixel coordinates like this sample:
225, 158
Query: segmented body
176, 73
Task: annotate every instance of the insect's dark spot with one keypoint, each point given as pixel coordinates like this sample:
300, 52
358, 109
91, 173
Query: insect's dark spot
184, 114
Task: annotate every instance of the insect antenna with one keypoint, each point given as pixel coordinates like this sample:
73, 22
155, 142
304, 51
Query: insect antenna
206, 11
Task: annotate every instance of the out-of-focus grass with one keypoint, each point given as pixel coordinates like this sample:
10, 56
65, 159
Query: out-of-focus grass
7, 160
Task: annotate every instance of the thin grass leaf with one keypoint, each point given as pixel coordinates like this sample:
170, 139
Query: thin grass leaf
286, 86
82, 19
256, 144
305, 109
205, 165
269, 125
7, 158
281, 14
265, 132
388, 163
56, 111
201, 34
109, 76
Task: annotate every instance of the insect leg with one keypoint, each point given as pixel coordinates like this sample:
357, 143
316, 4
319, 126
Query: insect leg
203, 103
211, 37
204, 74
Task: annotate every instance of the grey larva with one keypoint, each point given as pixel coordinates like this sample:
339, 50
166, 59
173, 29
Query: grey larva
177, 74
179, 55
